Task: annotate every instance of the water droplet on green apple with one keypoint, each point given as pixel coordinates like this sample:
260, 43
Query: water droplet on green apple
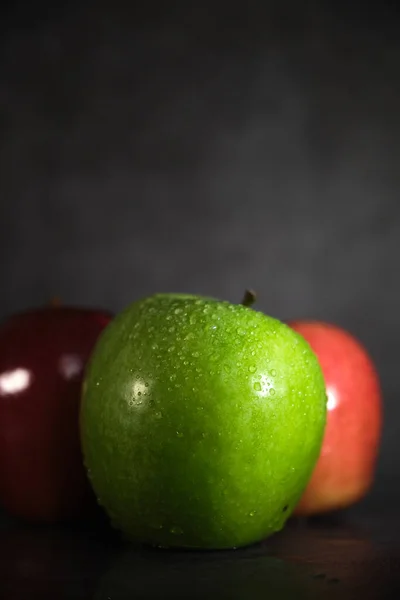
273, 373
179, 434
257, 386
252, 369
272, 392
176, 530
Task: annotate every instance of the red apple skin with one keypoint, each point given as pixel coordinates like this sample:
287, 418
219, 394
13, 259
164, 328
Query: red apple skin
346, 467
43, 353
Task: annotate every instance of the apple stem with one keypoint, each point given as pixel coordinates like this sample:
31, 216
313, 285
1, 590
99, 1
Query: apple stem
249, 298
55, 301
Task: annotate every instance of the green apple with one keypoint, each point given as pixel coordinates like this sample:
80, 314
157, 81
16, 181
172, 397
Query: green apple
201, 421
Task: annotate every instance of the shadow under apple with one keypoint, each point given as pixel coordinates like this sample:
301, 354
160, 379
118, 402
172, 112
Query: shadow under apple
47, 563
139, 572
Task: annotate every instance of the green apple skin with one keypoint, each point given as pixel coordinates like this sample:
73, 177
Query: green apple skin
201, 422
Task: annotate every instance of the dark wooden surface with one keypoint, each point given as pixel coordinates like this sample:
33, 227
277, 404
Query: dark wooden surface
343, 558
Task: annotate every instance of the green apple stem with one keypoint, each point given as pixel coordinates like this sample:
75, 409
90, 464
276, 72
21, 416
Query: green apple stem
249, 298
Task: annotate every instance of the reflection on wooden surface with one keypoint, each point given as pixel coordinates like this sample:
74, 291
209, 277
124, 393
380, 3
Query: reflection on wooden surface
333, 558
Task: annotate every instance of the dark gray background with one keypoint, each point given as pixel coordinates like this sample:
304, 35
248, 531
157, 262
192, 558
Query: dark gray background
204, 149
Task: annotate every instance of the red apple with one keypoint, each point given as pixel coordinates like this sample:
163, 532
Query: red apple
345, 470
43, 353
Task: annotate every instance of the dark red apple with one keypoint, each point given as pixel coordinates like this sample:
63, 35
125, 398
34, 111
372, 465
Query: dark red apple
346, 467
43, 353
